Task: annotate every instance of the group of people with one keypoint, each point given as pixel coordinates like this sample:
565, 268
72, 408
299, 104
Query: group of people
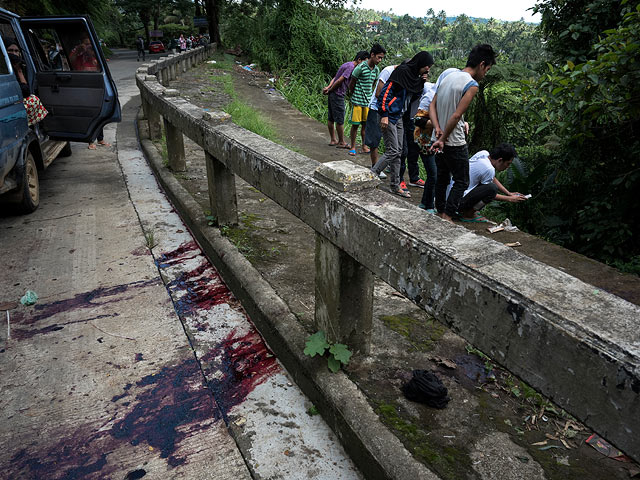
417, 118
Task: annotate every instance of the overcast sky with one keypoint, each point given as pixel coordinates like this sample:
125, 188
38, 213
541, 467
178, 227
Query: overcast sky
501, 10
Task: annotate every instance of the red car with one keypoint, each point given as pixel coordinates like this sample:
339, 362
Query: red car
156, 47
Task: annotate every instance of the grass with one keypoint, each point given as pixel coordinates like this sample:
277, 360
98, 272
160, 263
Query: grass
149, 239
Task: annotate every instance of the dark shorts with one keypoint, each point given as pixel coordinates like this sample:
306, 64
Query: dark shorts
373, 134
336, 108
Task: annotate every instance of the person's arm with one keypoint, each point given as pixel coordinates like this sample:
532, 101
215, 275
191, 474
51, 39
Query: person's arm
379, 87
433, 116
508, 196
334, 85
465, 101
352, 84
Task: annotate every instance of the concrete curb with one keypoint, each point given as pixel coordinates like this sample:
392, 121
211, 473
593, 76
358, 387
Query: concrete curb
373, 448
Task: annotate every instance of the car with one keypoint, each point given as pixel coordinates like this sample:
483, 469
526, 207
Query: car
156, 46
60, 61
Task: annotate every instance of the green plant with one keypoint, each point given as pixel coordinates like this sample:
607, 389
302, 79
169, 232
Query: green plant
149, 238
338, 354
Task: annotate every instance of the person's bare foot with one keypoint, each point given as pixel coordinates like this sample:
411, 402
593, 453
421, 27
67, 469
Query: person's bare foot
446, 217
103, 143
92, 146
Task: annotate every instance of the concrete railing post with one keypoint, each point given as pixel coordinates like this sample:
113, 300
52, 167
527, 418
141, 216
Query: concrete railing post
344, 297
175, 147
155, 124
222, 191
164, 72
344, 288
175, 141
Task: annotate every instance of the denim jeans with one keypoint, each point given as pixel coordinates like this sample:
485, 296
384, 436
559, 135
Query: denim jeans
453, 162
429, 162
393, 139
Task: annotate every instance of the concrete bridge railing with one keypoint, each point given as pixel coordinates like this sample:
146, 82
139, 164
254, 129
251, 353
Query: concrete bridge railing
576, 344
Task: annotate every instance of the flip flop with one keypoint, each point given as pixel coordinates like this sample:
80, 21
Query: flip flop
352, 152
92, 146
333, 144
401, 193
366, 151
344, 145
478, 219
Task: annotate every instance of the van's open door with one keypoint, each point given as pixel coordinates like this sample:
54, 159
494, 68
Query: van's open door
72, 77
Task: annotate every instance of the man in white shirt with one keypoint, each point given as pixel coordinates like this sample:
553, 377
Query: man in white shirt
483, 184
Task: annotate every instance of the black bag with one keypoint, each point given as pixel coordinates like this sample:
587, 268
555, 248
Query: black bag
425, 387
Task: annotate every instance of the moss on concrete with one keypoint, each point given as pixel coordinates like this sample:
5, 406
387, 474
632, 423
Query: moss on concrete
421, 334
449, 462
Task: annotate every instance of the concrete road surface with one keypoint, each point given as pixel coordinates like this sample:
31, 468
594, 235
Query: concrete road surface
136, 361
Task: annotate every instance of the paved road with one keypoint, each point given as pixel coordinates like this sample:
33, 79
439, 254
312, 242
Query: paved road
136, 361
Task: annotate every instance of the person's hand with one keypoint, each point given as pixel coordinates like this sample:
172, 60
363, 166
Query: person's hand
516, 198
437, 146
438, 133
325, 91
466, 128
384, 123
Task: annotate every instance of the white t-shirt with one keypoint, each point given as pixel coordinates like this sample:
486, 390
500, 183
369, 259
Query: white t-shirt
481, 172
384, 76
428, 92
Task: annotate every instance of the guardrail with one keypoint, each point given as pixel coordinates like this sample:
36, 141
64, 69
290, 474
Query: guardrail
576, 344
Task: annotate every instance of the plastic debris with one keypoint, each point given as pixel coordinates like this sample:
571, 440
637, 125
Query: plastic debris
513, 244
212, 61
606, 449
272, 80
248, 67
29, 298
506, 225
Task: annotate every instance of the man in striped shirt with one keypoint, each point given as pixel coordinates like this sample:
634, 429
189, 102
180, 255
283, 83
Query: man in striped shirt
361, 86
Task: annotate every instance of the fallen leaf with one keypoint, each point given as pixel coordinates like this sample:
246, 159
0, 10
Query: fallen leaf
445, 362
565, 444
8, 305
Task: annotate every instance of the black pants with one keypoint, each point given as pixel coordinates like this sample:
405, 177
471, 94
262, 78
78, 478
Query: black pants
410, 151
478, 197
141, 52
453, 162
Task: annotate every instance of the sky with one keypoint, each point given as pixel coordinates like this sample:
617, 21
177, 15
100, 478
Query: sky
502, 9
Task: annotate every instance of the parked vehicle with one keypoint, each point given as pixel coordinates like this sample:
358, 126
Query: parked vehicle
156, 46
64, 66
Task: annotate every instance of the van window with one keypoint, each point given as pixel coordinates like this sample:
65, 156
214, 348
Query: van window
63, 48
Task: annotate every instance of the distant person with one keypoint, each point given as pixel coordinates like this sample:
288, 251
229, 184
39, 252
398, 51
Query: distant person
140, 48
361, 87
183, 43
83, 56
405, 81
373, 134
336, 91
483, 184
453, 96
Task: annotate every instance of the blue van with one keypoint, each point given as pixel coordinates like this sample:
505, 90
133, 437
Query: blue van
59, 60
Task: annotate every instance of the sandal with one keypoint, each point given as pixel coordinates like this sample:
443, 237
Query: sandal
343, 145
104, 144
401, 193
476, 219
352, 152
92, 146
